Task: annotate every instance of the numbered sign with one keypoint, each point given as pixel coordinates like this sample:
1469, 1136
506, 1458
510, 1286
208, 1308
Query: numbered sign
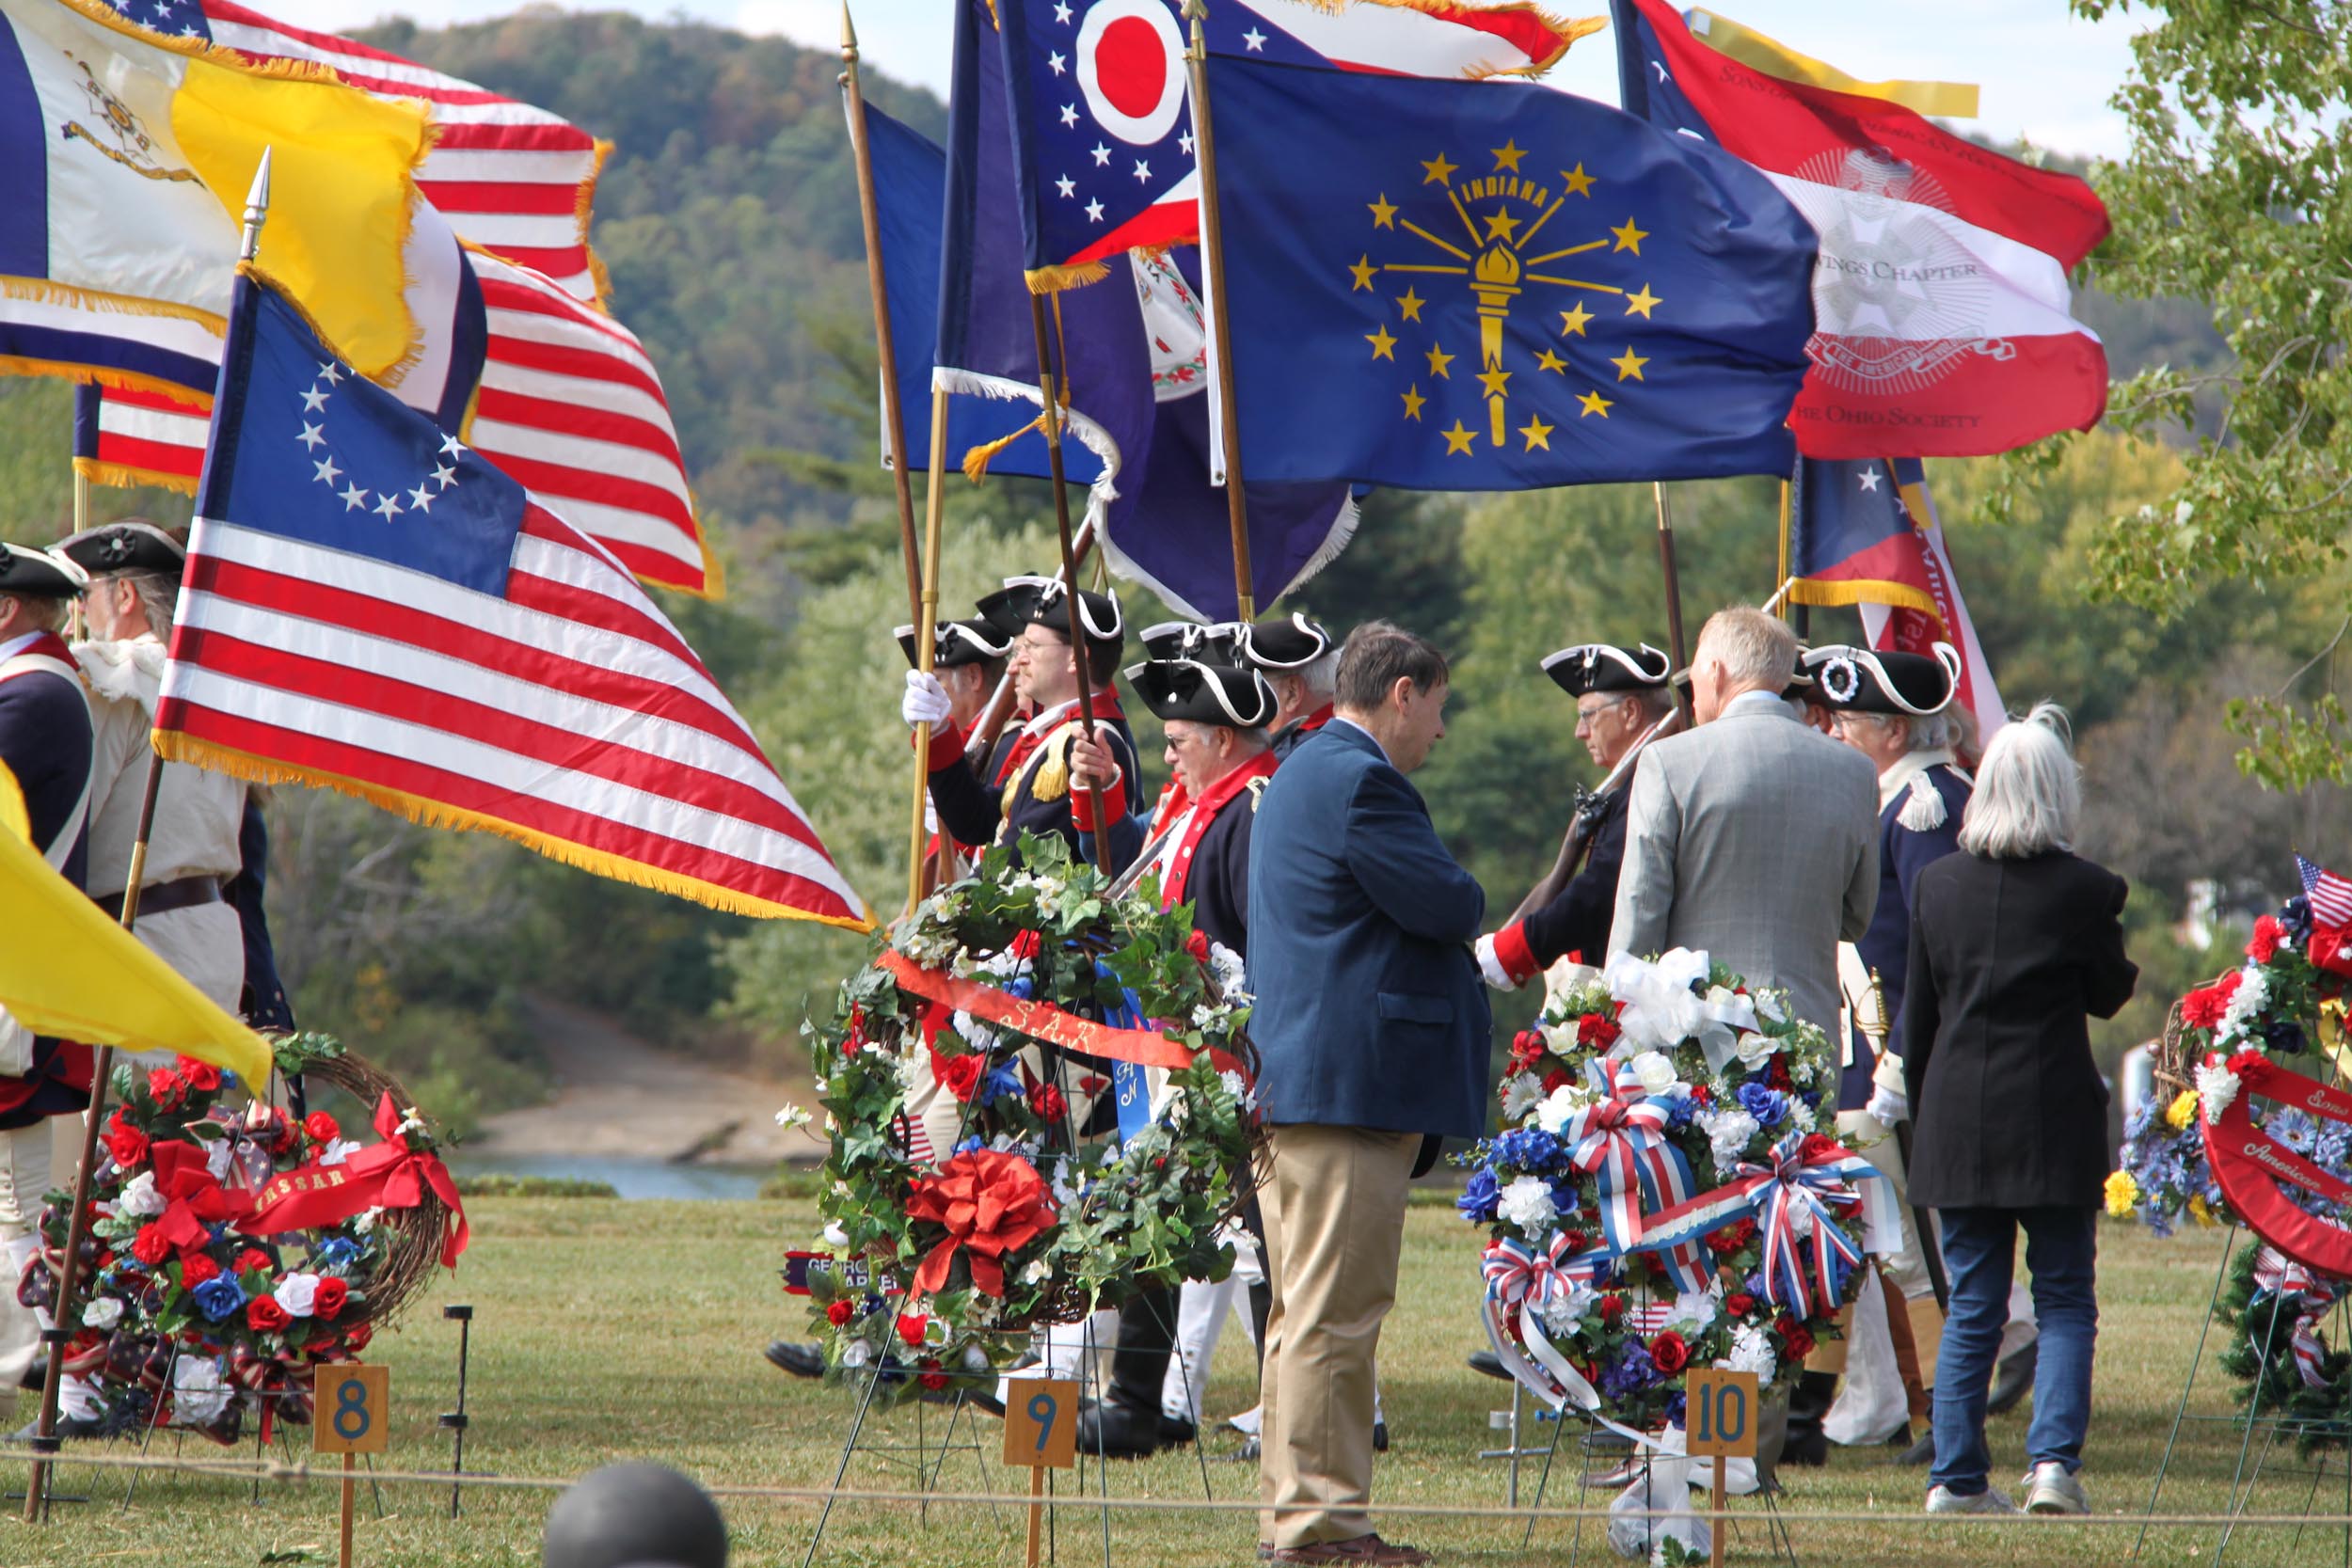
1719, 1415
353, 1409
1042, 1422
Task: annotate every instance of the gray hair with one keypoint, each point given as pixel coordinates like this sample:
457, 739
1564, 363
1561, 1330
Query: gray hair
1927, 731
1322, 676
159, 598
1754, 648
2028, 791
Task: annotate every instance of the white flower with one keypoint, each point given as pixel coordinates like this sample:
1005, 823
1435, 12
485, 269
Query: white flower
298, 1295
836, 1239
1801, 1115
1066, 1192
1755, 1049
855, 1354
1206, 1017
364, 1221
2245, 1005
1521, 1094
104, 1313
1728, 1132
1037, 1272
411, 1120
1562, 1105
2216, 1086
197, 1393
216, 1157
1564, 1314
1527, 1203
1233, 974
1768, 1007
337, 1151
911, 1067
1655, 1071
975, 1359
1005, 965
792, 1117
1048, 889
1752, 1352
979, 1034
139, 1195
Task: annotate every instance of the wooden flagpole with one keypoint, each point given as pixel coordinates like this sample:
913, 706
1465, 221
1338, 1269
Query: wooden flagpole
1081, 654
1780, 573
926, 632
1220, 330
894, 417
1674, 582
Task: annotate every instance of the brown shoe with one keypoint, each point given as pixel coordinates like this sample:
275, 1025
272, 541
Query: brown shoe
1367, 1550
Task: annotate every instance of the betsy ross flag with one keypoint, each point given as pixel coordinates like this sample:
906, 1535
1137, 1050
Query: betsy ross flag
1103, 126
1944, 315
506, 175
2329, 894
371, 607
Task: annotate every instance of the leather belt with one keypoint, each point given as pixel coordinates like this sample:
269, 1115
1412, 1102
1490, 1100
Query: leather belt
185, 892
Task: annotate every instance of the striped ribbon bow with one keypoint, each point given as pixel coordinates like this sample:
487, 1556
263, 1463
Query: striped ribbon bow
1800, 1199
1622, 1141
2309, 1294
1521, 1280
1518, 1274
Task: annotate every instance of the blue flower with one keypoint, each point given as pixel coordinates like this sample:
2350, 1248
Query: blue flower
1479, 1196
2296, 918
1020, 985
1675, 1407
1528, 1149
1001, 1081
1632, 1372
219, 1296
1768, 1106
1679, 1112
2285, 1036
334, 1252
975, 1141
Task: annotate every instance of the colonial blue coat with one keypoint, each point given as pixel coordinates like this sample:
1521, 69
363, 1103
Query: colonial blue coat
1903, 853
1370, 1010
1035, 794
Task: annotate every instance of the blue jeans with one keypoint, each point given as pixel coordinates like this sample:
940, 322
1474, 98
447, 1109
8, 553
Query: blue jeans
1980, 1254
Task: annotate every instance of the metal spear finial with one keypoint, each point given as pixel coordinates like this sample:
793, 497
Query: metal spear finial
256, 209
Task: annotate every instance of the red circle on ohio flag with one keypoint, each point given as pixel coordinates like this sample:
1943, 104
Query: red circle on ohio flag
1128, 70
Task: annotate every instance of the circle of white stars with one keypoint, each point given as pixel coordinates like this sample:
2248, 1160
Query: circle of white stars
389, 505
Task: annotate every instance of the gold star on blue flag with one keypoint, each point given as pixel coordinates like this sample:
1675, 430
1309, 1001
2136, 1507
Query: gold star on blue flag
1435, 285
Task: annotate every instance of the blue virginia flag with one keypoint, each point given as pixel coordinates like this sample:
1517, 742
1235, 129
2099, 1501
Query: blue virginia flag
1473, 285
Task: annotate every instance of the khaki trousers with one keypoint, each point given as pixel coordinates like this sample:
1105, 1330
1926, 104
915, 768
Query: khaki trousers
1334, 1205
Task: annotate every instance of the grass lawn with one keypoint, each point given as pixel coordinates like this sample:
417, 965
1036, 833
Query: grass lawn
608, 1330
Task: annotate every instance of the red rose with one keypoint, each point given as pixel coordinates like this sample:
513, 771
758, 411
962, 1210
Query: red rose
166, 1087
203, 1077
2203, 1008
1556, 1078
322, 1127
332, 1297
959, 1075
934, 1381
2268, 934
149, 1245
1597, 1031
1669, 1354
357, 1339
1196, 943
1795, 1336
124, 1142
1576, 1240
1776, 1073
253, 1259
911, 1327
264, 1316
840, 1313
1739, 1304
1612, 1307
1701, 1093
1820, 1146
2331, 948
194, 1269
1048, 1102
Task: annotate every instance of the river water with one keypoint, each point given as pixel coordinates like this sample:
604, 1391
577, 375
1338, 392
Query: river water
631, 1179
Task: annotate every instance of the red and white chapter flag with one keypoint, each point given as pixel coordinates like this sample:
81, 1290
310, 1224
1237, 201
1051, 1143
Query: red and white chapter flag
1943, 317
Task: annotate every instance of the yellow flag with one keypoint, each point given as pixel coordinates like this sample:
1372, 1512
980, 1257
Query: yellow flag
67, 970
1950, 99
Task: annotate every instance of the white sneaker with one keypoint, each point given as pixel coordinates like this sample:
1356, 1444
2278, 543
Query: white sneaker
1943, 1499
2049, 1489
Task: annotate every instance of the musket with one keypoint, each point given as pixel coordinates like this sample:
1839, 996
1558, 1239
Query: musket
1578, 840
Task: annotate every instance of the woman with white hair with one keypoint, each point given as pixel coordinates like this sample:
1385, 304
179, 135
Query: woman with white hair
2013, 942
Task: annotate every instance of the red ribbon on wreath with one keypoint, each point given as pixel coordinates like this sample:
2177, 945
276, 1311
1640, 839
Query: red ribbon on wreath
389, 1174
2249, 1164
194, 1199
1041, 1019
992, 1203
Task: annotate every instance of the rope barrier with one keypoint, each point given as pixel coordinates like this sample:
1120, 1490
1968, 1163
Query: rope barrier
300, 1472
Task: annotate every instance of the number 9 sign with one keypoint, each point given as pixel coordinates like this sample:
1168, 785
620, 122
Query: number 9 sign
351, 1409
1042, 1422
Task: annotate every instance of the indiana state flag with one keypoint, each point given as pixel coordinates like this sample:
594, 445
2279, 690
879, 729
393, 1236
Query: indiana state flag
1480, 286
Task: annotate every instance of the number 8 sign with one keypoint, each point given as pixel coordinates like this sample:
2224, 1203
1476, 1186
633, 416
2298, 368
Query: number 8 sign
351, 1409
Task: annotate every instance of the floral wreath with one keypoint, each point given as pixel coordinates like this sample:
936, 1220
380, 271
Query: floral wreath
232, 1247
2275, 1306
1664, 1195
1036, 998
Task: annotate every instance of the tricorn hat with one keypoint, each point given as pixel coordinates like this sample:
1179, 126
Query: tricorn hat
955, 642
1039, 601
1869, 680
1599, 667
1218, 642
38, 575
1284, 644
1204, 693
126, 546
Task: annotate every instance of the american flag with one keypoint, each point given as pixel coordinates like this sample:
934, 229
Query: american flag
569, 406
2329, 894
373, 608
506, 175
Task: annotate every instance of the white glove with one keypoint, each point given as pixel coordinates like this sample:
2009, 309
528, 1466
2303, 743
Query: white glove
1492, 966
1889, 1105
925, 701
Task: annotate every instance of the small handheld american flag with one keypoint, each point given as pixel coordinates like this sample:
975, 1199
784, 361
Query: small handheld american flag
2329, 894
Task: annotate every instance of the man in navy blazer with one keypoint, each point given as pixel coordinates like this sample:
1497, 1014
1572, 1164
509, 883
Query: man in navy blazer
1371, 1025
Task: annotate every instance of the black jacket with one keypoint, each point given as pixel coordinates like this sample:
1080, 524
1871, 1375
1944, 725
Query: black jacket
2007, 959
1036, 796
1578, 920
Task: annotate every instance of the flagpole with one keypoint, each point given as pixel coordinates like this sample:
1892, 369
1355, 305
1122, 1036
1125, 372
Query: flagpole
1080, 653
1213, 262
893, 416
992, 719
1673, 579
1780, 569
102, 1063
926, 635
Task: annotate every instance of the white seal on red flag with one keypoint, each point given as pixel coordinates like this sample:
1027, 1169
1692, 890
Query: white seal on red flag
1131, 68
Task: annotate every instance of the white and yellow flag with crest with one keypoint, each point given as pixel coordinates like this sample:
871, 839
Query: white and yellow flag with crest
125, 158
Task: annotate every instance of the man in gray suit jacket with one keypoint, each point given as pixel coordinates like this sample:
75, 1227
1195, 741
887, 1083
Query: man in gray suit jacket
1753, 838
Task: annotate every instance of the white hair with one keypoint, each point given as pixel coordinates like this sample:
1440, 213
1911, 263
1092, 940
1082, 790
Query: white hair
1321, 675
1924, 731
2028, 790
1754, 648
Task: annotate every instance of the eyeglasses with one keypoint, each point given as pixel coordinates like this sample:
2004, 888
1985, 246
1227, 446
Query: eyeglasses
1585, 715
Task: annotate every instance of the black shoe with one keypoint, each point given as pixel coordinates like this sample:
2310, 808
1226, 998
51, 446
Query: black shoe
1175, 1431
1901, 1439
2013, 1380
1379, 1436
985, 1399
1921, 1452
1807, 1446
35, 1375
1250, 1450
68, 1429
800, 1360
1115, 1431
1489, 1362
